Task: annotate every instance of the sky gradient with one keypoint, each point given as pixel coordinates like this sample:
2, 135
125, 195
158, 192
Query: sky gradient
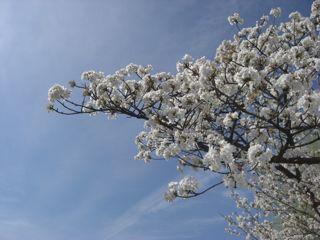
74, 177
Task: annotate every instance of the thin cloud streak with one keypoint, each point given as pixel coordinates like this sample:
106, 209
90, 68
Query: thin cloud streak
151, 204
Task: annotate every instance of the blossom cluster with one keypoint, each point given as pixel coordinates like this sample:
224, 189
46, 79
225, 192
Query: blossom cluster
186, 186
250, 115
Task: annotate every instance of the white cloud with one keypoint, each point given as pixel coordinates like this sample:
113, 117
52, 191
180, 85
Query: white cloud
151, 204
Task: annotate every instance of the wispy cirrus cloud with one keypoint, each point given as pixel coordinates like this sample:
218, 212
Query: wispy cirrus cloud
154, 203
150, 204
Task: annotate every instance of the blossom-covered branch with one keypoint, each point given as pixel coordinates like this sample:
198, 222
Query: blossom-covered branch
250, 116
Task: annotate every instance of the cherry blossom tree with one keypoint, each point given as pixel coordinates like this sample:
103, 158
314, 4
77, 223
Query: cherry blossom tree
250, 116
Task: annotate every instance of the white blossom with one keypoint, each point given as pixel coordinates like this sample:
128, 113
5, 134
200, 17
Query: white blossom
315, 8
276, 12
57, 92
235, 19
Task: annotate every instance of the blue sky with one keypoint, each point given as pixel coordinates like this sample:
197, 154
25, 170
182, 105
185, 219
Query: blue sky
75, 177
